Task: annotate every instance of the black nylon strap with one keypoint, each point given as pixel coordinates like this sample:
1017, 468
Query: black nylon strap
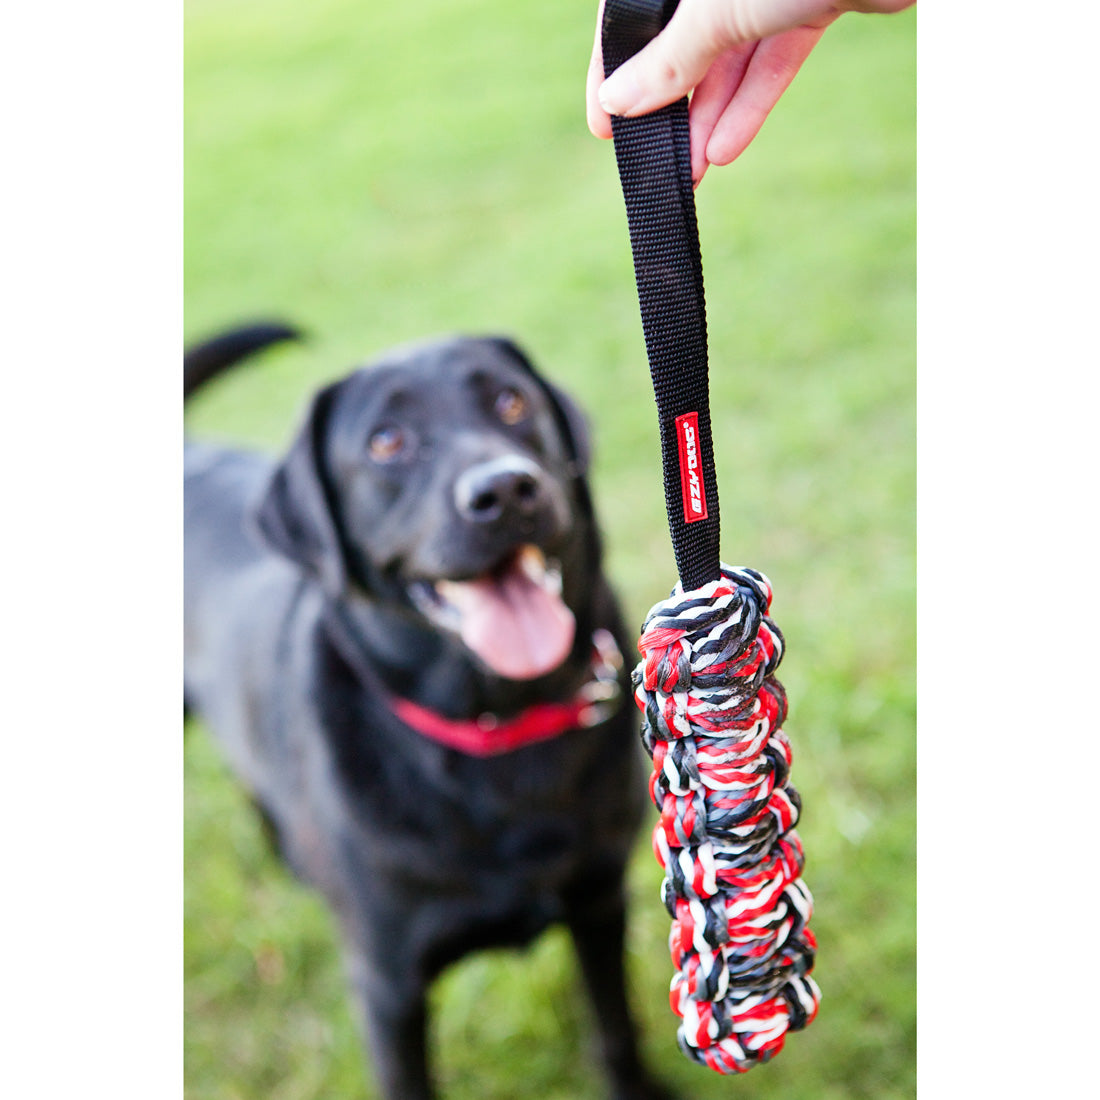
653, 155
654, 158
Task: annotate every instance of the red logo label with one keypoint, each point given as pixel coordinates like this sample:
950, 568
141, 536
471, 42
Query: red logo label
691, 467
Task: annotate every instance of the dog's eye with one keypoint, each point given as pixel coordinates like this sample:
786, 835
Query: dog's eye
511, 406
387, 443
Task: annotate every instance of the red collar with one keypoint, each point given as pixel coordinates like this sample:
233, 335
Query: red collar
489, 735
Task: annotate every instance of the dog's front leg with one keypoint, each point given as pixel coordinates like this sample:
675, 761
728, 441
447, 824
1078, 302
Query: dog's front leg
596, 918
393, 1007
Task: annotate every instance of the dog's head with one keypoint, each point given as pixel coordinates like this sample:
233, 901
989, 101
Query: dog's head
448, 480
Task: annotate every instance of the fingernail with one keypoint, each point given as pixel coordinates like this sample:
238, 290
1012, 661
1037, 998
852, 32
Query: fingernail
620, 92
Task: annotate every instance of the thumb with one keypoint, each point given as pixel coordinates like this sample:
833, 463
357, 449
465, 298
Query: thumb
678, 58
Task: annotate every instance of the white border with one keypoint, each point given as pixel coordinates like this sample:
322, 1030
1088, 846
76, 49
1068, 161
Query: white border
91, 780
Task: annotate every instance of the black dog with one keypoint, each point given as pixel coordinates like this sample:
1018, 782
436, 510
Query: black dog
402, 638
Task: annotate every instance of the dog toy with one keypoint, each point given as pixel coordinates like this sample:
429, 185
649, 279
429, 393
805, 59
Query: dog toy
713, 709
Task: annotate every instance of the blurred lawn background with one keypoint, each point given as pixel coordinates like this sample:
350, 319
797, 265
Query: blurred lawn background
379, 173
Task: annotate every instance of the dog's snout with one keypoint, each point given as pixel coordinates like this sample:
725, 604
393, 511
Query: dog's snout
502, 486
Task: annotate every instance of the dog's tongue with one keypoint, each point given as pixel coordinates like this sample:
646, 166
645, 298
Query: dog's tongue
518, 627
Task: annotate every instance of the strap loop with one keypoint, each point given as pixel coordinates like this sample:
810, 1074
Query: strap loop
653, 153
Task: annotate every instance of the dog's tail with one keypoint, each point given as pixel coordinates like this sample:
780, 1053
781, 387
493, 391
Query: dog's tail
208, 359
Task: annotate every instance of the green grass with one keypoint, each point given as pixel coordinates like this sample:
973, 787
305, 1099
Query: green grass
379, 173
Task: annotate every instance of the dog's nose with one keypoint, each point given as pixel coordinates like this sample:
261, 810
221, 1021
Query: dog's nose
501, 486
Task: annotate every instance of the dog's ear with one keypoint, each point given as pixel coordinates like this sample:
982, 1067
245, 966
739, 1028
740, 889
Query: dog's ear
294, 515
571, 421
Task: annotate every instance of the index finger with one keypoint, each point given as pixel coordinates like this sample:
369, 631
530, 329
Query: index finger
599, 121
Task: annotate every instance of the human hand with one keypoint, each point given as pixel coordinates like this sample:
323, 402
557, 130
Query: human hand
739, 56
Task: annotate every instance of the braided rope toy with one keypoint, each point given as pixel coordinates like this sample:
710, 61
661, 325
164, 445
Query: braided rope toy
725, 838
714, 711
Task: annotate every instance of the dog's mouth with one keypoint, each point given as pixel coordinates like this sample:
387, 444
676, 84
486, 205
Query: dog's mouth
512, 617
